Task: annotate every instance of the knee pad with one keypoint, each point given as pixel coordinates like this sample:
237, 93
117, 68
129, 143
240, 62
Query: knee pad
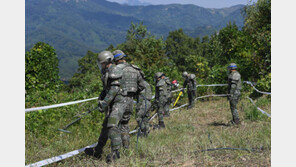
115, 137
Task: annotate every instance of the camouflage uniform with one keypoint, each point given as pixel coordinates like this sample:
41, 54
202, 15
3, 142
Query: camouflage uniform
131, 83
143, 107
120, 85
109, 92
234, 87
161, 98
191, 88
169, 97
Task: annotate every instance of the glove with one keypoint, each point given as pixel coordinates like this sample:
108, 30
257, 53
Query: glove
102, 106
183, 90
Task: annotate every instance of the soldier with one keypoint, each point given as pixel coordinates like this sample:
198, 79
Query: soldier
167, 104
132, 83
234, 87
161, 97
109, 98
143, 108
191, 88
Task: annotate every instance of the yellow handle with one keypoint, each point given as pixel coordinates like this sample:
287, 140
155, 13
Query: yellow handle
177, 98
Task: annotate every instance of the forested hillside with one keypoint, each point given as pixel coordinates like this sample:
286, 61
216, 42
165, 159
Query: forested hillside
74, 27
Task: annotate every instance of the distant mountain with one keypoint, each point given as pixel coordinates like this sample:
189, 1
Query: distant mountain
74, 26
135, 3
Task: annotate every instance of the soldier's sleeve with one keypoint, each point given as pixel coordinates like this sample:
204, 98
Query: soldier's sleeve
102, 95
234, 81
161, 85
185, 83
141, 83
114, 81
192, 76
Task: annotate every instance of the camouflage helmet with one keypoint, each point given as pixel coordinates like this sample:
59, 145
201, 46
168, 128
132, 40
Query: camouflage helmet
105, 57
118, 54
232, 66
158, 75
185, 74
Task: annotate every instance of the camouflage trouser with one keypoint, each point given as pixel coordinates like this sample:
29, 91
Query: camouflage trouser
142, 116
233, 100
103, 137
118, 129
160, 110
167, 108
191, 97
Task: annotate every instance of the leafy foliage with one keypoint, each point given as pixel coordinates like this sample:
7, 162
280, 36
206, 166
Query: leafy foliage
88, 76
41, 68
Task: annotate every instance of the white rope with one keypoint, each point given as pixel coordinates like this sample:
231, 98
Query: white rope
250, 83
60, 157
58, 105
263, 112
200, 86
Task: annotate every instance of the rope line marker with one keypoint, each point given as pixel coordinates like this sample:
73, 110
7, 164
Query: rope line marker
59, 157
250, 83
263, 112
58, 105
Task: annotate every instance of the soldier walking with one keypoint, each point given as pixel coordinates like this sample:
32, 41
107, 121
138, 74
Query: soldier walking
132, 83
161, 97
234, 88
167, 104
114, 101
143, 109
191, 88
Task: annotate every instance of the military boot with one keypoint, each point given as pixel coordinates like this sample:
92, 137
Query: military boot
166, 114
236, 121
114, 155
189, 107
125, 140
145, 131
94, 152
161, 125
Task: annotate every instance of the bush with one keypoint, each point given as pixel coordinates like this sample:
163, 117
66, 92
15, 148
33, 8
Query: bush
263, 84
42, 72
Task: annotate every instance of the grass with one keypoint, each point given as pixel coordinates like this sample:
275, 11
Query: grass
187, 133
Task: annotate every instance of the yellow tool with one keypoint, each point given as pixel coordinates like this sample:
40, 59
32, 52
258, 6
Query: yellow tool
177, 98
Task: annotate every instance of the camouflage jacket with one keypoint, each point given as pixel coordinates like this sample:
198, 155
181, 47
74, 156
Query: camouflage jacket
131, 81
190, 82
234, 82
161, 91
146, 93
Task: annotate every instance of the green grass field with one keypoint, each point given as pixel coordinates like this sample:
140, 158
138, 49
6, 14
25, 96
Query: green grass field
187, 133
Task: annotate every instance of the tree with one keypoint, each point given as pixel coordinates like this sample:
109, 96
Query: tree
258, 27
179, 46
42, 72
87, 78
146, 51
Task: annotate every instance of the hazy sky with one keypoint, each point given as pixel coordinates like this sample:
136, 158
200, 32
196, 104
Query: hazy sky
202, 3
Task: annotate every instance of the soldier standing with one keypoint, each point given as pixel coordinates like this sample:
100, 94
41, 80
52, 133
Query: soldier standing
234, 87
110, 103
132, 83
167, 104
143, 108
191, 88
161, 97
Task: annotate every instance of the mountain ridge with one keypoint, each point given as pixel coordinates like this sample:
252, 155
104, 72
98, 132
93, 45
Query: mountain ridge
74, 26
